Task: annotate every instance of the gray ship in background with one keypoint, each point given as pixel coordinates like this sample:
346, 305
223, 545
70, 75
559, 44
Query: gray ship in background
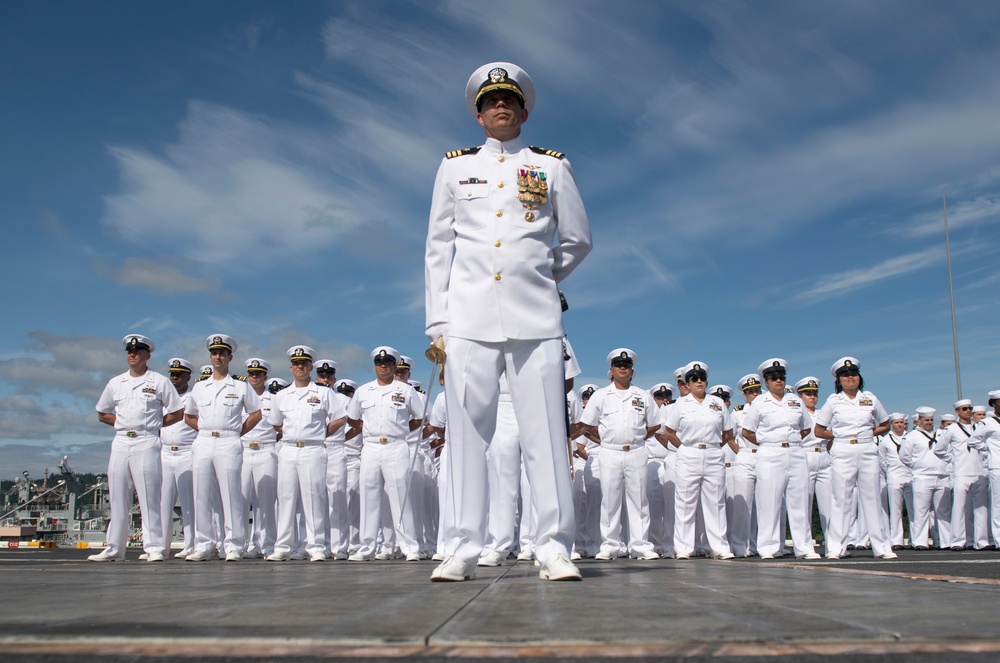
58, 513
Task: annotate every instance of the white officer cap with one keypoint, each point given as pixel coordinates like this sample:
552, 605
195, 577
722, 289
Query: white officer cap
959, 403
724, 392
923, 411
896, 416
978, 409
808, 383
300, 353
275, 384
180, 365
346, 387
694, 367
405, 363
325, 365
623, 355
772, 365
992, 396
206, 369
257, 365
948, 417
384, 352
220, 341
679, 374
138, 342
418, 385
659, 388
499, 76
844, 363
748, 382
586, 390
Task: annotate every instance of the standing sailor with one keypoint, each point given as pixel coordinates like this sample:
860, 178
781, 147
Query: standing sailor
820, 482
970, 499
931, 498
506, 226
134, 404
986, 438
177, 461
898, 478
216, 409
259, 477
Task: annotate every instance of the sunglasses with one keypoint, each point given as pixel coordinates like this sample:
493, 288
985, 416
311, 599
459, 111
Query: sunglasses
698, 377
775, 378
618, 363
853, 373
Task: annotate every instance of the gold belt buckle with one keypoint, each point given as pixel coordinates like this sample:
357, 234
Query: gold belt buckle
753, 451
729, 464
852, 441
174, 447
817, 450
131, 433
300, 444
383, 440
254, 446
701, 446
216, 433
626, 447
784, 445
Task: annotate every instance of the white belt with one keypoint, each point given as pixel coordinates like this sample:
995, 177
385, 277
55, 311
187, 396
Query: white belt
218, 433
257, 444
623, 447
384, 440
782, 445
854, 440
304, 443
137, 432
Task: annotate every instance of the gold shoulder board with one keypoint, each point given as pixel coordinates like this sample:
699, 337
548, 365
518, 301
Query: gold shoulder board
547, 152
462, 152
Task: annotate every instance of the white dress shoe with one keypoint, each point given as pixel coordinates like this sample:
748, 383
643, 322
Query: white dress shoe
889, 555
526, 555
437, 557
198, 556
105, 556
725, 555
182, 554
575, 556
767, 556
252, 554
558, 567
413, 557
604, 556
683, 556
453, 570
833, 556
276, 557
233, 557
490, 558
154, 557
317, 557
358, 557
647, 555
143, 557
812, 555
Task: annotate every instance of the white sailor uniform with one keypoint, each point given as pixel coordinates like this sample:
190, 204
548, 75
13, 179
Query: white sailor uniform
259, 481
177, 461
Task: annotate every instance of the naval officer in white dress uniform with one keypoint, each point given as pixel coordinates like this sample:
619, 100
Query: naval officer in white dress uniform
506, 226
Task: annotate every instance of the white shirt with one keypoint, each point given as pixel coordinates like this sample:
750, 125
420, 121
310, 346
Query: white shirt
385, 411
179, 434
953, 445
888, 453
699, 423
621, 415
491, 264
776, 421
852, 417
263, 432
986, 438
139, 403
304, 412
916, 453
340, 435
220, 404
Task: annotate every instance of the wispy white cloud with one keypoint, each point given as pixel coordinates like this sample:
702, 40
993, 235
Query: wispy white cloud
168, 276
961, 214
835, 285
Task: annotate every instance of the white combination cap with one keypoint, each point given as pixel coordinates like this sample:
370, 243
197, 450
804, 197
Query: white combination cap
499, 76
220, 342
180, 365
844, 364
300, 353
385, 352
623, 355
138, 342
256, 365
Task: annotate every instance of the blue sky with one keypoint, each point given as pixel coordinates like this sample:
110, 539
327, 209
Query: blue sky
762, 179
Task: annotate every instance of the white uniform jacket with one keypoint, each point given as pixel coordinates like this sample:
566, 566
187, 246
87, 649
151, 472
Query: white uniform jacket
953, 444
986, 437
304, 412
776, 421
917, 453
501, 283
139, 403
698, 423
621, 415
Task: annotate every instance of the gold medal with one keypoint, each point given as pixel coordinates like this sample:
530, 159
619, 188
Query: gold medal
529, 216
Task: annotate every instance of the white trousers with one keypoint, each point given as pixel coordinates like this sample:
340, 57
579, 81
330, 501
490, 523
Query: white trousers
430, 514
134, 465
856, 466
970, 512
534, 370
588, 534
994, 477
623, 482
740, 507
339, 517
782, 474
898, 494
178, 487
385, 471
820, 485
660, 494
218, 461
302, 480
259, 485
931, 498
503, 460
354, 500
699, 478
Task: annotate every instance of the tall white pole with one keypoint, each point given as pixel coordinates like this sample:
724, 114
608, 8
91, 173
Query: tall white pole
951, 289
